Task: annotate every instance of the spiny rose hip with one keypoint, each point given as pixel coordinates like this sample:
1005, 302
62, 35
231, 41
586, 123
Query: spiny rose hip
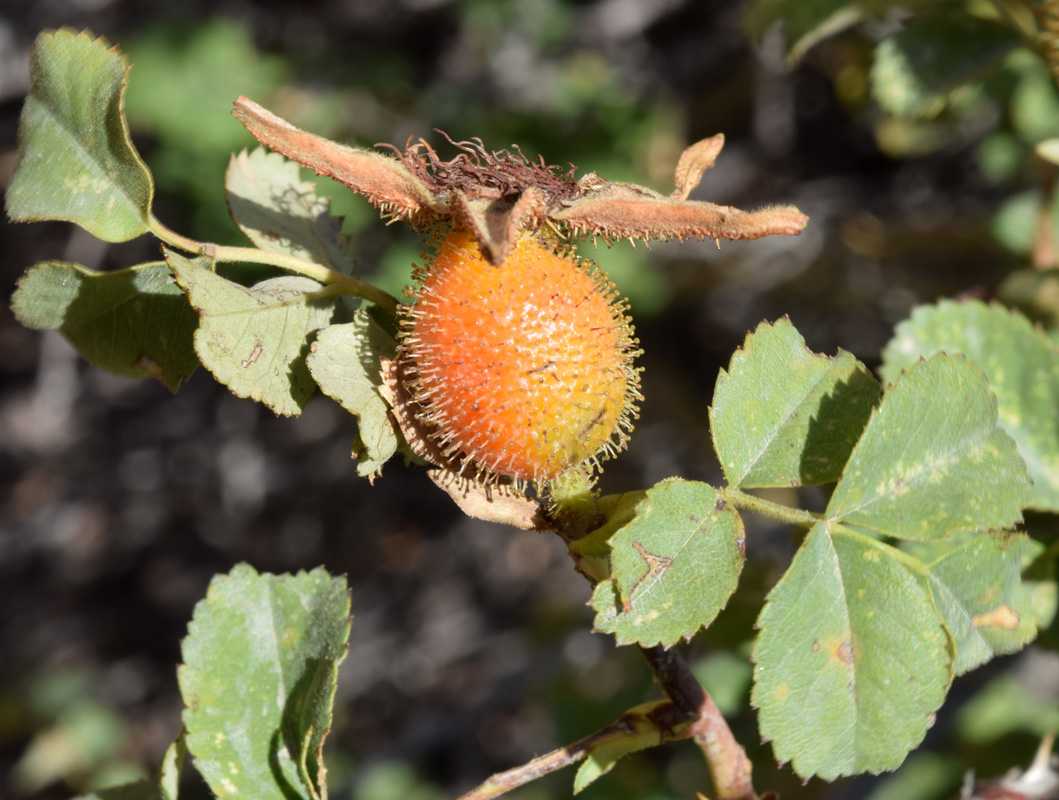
523, 369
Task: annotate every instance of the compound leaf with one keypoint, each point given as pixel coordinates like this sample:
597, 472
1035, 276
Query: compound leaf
1022, 366
852, 660
674, 565
933, 54
259, 674
254, 340
76, 160
784, 416
134, 322
978, 589
280, 212
345, 361
932, 459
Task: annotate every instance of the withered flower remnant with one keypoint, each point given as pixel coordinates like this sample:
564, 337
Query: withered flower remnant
498, 196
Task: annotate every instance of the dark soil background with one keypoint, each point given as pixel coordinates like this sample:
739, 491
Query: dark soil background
470, 649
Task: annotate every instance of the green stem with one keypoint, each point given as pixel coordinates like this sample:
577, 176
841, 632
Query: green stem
794, 516
908, 561
337, 282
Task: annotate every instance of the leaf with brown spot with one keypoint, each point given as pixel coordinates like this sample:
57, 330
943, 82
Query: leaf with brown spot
850, 641
255, 339
978, 589
674, 565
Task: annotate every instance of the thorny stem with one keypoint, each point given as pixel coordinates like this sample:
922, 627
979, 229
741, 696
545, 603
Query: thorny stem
726, 760
794, 516
336, 282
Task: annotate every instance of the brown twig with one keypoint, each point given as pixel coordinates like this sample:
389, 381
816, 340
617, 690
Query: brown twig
729, 767
557, 759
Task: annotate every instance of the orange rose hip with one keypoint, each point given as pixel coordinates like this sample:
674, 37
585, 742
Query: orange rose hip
523, 369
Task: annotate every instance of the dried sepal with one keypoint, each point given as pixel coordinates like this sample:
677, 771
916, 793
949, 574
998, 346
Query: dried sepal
492, 502
496, 196
497, 224
384, 181
615, 215
693, 162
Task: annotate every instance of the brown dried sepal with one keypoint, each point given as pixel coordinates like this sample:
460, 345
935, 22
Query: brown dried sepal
492, 502
489, 499
693, 162
384, 181
496, 196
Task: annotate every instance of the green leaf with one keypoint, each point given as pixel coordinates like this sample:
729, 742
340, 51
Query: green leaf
805, 22
76, 160
172, 764
134, 322
254, 340
140, 790
674, 565
935, 53
1022, 366
345, 361
978, 589
784, 416
280, 212
852, 660
640, 731
932, 459
259, 674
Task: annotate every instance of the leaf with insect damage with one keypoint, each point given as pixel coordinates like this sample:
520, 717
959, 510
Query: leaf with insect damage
674, 565
254, 340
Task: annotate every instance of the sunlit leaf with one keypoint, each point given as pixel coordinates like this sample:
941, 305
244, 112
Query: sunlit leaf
784, 416
134, 322
978, 590
933, 54
932, 459
280, 212
345, 361
254, 340
259, 674
674, 565
172, 764
1022, 366
852, 660
76, 160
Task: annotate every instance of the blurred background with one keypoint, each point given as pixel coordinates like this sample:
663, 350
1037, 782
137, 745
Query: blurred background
471, 649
